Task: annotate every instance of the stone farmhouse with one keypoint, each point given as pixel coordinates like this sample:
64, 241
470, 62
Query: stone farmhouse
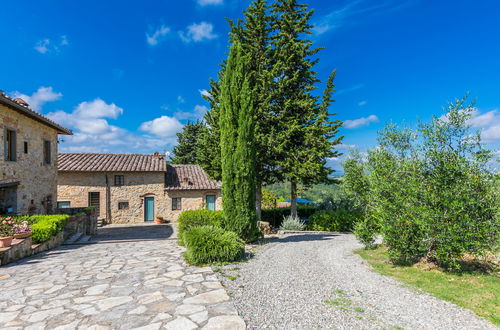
28, 158
133, 188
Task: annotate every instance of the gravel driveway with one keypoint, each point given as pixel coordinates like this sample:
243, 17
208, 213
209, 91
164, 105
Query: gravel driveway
315, 281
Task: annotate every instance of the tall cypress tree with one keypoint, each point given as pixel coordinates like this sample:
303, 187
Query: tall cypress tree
305, 135
237, 142
186, 151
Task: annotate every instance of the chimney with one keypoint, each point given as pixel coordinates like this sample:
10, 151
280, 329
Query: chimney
20, 101
156, 155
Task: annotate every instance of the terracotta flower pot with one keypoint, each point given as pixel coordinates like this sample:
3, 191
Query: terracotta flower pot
6, 241
23, 235
159, 220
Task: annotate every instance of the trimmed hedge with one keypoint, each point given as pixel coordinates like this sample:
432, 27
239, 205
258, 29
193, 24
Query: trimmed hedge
46, 226
275, 216
206, 244
340, 220
196, 218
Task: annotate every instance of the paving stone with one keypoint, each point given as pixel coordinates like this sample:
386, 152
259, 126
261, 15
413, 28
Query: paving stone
108, 303
70, 326
225, 322
96, 289
150, 297
199, 317
225, 308
211, 297
138, 310
180, 323
7, 316
162, 317
174, 274
193, 278
13, 308
173, 283
212, 285
42, 315
152, 326
189, 309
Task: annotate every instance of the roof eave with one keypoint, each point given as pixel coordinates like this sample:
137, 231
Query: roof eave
33, 115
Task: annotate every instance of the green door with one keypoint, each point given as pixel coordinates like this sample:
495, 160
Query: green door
149, 208
210, 199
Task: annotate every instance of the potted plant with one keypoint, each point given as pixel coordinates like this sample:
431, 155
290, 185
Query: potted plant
6, 231
88, 210
22, 230
159, 220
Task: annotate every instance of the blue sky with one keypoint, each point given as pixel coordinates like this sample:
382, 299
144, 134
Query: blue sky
125, 76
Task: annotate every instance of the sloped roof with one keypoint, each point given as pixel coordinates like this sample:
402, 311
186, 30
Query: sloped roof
91, 162
21, 106
189, 177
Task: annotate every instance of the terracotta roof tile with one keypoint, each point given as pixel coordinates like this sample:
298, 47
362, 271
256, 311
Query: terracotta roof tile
90, 162
189, 177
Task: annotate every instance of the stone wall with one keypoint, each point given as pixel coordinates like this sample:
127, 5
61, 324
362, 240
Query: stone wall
37, 188
75, 187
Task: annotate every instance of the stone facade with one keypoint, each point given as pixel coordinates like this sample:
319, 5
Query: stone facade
74, 187
37, 187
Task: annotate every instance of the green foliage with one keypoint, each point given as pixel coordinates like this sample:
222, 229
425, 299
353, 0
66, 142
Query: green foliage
341, 220
195, 218
366, 231
238, 147
292, 223
46, 226
430, 192
268, 199
186, 150
206, 244
275, 216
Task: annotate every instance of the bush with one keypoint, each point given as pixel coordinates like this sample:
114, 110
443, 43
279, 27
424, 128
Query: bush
291, 223
340, 220
46, 226
430, 191
365, 232
206, 244
196, 218
275, 216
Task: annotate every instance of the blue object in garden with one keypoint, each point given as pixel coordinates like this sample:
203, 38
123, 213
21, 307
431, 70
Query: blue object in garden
301, 201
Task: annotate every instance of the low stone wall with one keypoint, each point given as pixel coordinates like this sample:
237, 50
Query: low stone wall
22, 248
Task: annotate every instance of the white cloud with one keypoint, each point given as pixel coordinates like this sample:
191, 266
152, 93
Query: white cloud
44, 46
157, 36
362, 103
364, 121
97, 109
180, 99
163, 126
198, 32
488, 122
204, 92
349, 89
198, 113
38, 98
210, 2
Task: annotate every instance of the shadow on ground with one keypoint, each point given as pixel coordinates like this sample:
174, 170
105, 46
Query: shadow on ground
132, 232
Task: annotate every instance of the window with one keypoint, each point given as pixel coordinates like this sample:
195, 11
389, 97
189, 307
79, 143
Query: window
210, 201
63, 205
25, 147
47, 152
119, 180
122, 205
176, 203
10, 145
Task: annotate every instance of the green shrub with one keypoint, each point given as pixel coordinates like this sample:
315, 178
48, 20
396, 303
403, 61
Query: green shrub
365, 231
206, 244
46, 226
334, 220
196, 218
275, 216
291, 223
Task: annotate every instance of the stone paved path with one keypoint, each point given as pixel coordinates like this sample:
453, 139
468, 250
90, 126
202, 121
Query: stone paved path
133, 284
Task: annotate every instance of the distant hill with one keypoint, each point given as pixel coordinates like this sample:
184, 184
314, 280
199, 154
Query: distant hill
316, 193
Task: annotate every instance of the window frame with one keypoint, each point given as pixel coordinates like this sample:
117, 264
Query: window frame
215, 201
59, 202
125, 207
120, 182
47, 152
177, 204
10, 144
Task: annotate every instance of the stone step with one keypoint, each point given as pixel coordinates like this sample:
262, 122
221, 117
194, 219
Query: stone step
73, 238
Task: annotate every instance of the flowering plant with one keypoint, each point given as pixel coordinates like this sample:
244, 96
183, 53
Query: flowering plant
21, 228
6, 227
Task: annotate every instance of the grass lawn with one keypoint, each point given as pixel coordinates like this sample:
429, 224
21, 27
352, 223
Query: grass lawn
478, 292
